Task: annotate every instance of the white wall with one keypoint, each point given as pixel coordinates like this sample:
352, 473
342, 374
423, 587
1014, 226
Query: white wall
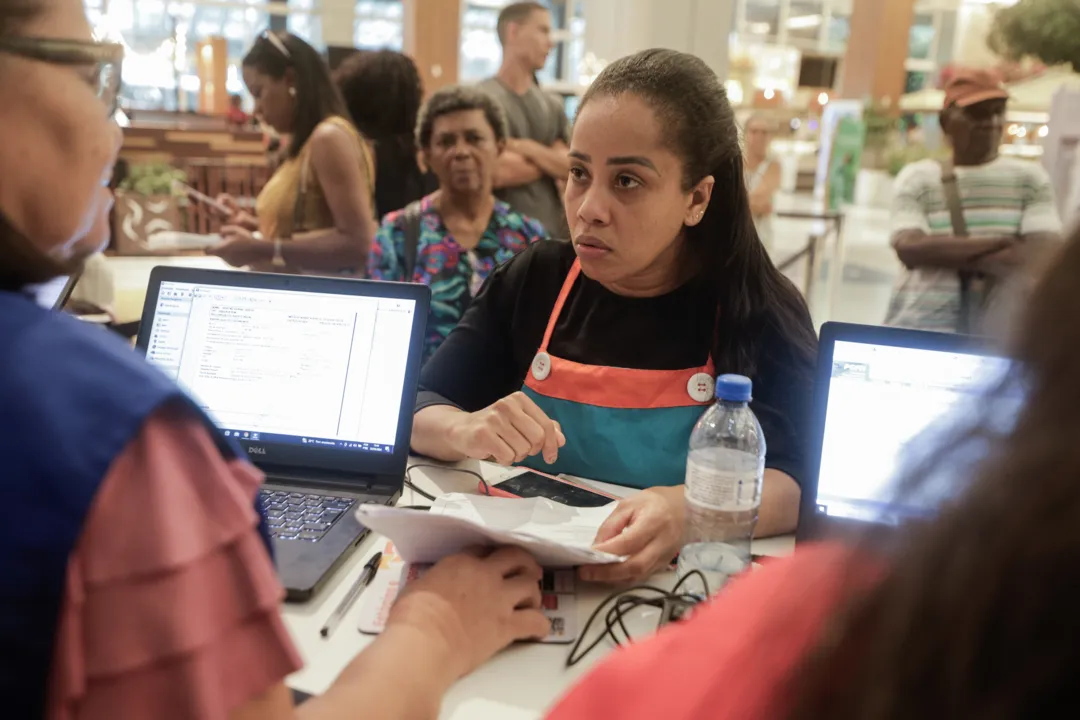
615, 28
338, 22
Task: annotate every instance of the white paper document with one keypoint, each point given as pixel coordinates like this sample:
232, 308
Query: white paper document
556, 535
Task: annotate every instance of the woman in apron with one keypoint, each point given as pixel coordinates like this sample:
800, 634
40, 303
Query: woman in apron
595, 358
317, 212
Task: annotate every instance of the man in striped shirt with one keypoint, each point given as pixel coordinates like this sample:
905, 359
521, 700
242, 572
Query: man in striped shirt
1006, 203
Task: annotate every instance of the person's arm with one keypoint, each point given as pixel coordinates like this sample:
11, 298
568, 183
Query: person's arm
780, 497
917, 249
447, 623
335, 162
1040, 225
513, 169
469, 404
554, 161
761, 199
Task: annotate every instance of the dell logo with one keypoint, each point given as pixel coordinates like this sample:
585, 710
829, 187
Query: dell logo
253, 450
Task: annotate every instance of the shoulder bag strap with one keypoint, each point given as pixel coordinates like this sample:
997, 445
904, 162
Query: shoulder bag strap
412, 238
960, 229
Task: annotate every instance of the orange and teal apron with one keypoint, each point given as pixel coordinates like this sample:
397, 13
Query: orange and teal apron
623, 426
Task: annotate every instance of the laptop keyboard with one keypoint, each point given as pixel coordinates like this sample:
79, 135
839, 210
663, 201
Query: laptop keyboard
302, 516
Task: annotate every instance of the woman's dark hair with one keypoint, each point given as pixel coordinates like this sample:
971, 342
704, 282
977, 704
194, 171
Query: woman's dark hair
317, 98
459, 98
976, 614
753, 297
383, 92
21, 263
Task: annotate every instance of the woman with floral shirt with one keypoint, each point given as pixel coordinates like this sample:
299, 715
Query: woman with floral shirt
464, 231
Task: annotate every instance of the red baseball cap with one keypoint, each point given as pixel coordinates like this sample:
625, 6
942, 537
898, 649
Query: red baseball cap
969, 86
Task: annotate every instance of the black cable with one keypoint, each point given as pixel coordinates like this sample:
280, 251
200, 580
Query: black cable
614, 617
687, 576
423, 493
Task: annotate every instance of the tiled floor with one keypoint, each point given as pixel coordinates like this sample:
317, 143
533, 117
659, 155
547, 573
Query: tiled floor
869, 266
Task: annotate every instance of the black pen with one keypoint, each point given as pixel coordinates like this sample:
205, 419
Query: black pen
366, 576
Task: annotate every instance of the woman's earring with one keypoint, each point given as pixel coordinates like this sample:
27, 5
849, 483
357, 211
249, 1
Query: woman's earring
292, 92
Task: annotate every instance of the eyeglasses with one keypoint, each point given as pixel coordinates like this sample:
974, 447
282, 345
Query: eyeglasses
277, 42
103, 60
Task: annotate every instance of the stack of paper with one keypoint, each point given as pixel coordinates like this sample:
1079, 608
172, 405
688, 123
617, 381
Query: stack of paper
556, 535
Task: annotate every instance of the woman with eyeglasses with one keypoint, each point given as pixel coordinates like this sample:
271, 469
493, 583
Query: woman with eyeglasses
317, 213
135, 580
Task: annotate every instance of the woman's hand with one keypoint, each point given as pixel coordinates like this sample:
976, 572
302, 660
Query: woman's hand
240, 248
236, 215
507, 432
473, 606
648, 527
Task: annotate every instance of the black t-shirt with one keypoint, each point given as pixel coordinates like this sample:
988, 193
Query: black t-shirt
488, 354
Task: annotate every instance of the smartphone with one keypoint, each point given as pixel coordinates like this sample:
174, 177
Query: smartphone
536, 484
204, 198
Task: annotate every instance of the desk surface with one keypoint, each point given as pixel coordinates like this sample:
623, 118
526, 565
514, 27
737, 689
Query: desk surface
518, 684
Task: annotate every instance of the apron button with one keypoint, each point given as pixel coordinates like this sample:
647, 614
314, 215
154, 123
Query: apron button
701, 387
541, 366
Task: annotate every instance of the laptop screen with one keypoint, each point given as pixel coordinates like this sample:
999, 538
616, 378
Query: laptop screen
287, 366
880, 398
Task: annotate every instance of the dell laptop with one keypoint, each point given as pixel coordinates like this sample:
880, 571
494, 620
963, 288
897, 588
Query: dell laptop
877, 389
315, 378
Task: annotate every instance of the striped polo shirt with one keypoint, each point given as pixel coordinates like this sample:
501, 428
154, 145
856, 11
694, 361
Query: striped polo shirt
1006, 197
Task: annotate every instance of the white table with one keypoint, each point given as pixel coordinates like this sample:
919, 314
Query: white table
518, 684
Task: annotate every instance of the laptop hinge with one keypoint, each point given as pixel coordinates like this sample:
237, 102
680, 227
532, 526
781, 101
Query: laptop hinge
351, 482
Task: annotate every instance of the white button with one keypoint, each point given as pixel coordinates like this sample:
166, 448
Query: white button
541, 366
701, 387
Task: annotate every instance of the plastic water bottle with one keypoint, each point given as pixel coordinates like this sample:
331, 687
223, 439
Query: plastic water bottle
723, 485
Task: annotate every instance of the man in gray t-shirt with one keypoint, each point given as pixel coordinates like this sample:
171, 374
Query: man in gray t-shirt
533, 169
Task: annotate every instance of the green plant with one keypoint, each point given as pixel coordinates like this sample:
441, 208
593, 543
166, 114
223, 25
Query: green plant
899, 156
153, 179
881, 125
1042, 29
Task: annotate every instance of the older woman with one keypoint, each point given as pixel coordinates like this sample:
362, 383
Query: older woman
453, 238
134, 580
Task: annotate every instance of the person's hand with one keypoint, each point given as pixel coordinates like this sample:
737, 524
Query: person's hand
507, 432
239, 247
474, 606
1005, 261
236, 215
647, 527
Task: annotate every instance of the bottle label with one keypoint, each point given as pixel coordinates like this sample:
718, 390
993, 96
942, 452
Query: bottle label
714, 489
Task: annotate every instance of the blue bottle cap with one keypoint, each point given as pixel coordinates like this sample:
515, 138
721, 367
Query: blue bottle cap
734, 388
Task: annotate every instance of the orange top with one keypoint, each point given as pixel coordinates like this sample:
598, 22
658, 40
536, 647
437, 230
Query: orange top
171, 602
730, 661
